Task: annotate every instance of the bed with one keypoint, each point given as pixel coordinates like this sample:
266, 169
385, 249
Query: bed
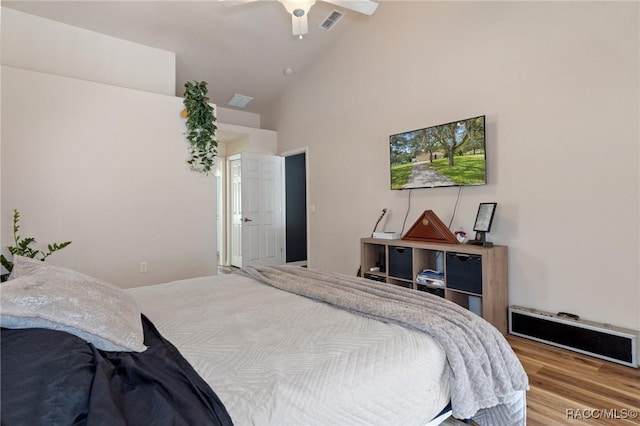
291, 346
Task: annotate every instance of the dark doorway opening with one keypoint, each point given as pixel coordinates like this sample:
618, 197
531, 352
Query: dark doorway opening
296, 208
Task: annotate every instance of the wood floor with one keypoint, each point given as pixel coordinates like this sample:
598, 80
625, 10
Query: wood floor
567, 388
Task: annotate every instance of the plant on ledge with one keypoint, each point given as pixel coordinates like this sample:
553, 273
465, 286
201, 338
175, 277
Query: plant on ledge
22, 248
201, 127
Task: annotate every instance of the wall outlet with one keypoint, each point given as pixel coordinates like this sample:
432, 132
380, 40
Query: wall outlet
143, 267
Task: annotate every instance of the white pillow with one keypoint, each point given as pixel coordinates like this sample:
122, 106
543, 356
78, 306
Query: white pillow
46, 296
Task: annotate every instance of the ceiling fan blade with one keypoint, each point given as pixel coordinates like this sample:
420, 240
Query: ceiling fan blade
230, 3
363, 6
299, 25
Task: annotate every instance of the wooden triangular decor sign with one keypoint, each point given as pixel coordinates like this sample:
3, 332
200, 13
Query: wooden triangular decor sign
430, 228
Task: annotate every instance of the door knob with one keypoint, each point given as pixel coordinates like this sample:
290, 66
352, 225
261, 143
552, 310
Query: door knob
246, 219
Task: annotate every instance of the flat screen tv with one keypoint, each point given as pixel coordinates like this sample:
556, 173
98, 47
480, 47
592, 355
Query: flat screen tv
451, 154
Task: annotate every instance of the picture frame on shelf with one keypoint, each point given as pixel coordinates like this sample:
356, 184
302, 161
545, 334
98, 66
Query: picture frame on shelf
484, 218
482, 225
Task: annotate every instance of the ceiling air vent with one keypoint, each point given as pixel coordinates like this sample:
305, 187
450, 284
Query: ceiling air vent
239, 101
331, 20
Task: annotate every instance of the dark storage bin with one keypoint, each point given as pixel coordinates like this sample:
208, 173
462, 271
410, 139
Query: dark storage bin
464, 272
375, 277
400, 263
404, 284
432, 290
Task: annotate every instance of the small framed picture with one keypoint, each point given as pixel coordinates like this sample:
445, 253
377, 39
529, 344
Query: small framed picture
484, 219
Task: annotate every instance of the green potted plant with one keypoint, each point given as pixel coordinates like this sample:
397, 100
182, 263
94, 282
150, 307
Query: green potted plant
22, 247
201, 127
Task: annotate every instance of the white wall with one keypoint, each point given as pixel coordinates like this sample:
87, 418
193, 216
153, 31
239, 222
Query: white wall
104, 167
168, 245
40, 44
1, 230
236, 139
100, 165
237, 117
559, 84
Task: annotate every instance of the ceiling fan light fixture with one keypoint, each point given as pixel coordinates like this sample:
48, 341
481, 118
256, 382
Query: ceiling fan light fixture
297, 5
298, 10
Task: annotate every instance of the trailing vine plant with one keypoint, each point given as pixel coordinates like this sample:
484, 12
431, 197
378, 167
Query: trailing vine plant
201, 127
22, 246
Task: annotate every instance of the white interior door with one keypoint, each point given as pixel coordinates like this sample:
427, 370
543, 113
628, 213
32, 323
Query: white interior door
235, 211
262, 221
221, 229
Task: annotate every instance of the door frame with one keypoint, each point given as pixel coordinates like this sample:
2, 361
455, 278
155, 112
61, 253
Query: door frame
302, 150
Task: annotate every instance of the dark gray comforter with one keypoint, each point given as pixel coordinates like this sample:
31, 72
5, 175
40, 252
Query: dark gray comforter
49, 377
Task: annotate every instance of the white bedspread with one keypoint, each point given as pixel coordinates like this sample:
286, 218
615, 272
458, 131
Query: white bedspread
275, 358
486, 375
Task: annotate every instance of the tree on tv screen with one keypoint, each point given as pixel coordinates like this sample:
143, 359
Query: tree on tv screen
453, 136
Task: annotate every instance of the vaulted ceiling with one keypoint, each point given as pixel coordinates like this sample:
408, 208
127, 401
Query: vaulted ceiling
240, 48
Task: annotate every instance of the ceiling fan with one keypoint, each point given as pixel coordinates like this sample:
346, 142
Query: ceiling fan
299, 9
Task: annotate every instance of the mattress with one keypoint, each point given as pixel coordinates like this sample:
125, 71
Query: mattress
275, 358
